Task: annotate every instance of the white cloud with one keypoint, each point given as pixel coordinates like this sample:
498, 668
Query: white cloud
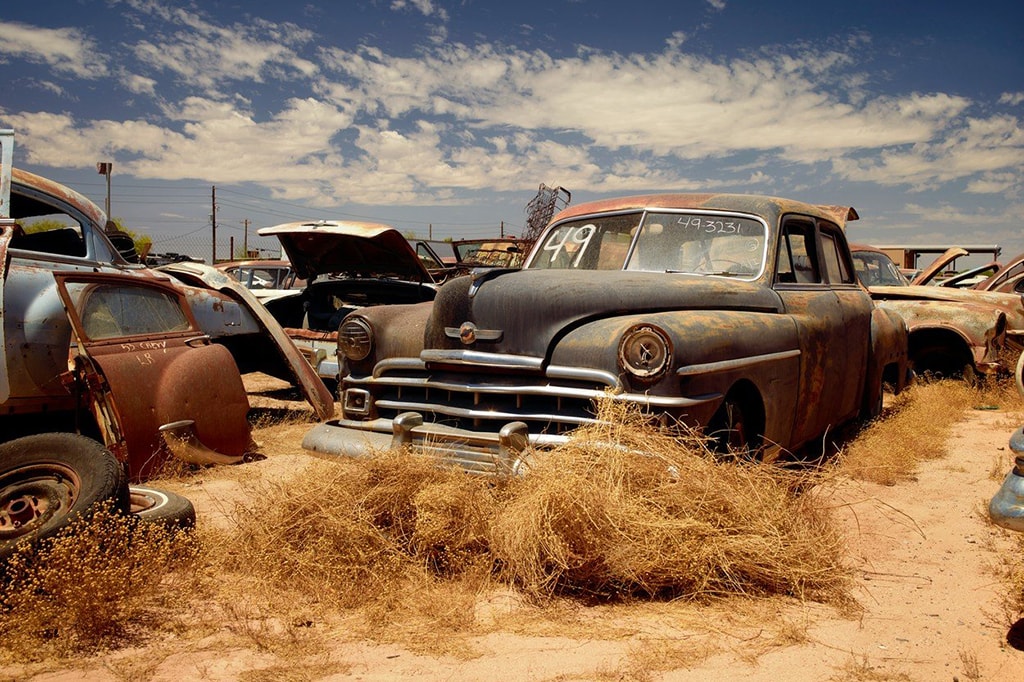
989, 147
204, 55
66, 50
365, 125
425, 7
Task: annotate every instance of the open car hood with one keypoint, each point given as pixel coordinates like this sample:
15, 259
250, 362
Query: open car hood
348, 247
928, 274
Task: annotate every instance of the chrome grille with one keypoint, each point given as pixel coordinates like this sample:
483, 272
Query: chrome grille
482, 398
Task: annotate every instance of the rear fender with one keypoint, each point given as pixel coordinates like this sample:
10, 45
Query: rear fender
888, 360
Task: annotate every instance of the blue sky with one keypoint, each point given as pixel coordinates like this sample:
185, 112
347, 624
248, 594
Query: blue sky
444, 117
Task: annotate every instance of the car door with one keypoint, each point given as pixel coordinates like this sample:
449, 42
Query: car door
852, 346
820, 319
142, 362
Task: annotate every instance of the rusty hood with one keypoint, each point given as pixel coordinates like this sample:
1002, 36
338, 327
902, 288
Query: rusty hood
1011, 304
525, 312
929, 273
335, 247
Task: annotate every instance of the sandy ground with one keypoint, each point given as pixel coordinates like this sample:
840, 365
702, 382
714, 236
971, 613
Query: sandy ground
930, 604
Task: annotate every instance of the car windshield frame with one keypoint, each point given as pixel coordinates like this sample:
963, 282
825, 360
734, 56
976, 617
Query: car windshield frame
679, 241
885, 273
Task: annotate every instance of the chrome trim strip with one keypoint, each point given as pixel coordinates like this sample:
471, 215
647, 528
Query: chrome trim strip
739, 363
472, 357
414, 364
584, 374
450, 411
639, 399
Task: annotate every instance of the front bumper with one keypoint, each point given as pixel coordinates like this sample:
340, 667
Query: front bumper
501, 453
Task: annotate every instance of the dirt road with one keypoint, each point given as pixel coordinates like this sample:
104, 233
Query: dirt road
929, 604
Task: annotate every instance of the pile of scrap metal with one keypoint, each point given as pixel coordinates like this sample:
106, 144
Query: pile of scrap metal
109, 360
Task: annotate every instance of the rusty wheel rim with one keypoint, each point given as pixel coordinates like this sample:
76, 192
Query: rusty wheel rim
32, 495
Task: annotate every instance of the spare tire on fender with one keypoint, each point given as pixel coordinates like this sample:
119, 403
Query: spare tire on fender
47, 480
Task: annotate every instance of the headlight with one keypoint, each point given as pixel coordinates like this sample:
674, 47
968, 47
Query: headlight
645, 351
355, 338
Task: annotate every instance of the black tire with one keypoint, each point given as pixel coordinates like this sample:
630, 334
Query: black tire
47, 480
168, 509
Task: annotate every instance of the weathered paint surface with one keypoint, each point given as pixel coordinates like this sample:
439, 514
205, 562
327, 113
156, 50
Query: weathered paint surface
309, 383
141, 381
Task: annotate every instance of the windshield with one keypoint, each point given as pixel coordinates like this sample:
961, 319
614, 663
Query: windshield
697, 243
877, 269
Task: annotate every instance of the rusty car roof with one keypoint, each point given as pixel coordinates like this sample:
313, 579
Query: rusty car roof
748, 203
23, 207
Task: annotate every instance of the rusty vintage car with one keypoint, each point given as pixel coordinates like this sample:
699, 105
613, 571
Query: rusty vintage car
264, 278
168, 353
952, 331
347, 265
1008, 278
739, 314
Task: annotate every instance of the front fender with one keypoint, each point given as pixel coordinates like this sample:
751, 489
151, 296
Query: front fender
712, 351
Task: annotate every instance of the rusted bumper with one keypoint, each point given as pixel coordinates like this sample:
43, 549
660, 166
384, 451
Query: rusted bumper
500, 453
1007, 506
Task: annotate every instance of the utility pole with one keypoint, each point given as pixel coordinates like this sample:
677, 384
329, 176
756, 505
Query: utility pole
105, 168
245, 240
213, 222
430, 231
502, 229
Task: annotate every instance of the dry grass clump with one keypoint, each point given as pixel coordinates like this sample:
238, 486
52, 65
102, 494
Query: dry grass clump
91, 585
1010, 571
915, 427
344, 531
625, 509
647, 516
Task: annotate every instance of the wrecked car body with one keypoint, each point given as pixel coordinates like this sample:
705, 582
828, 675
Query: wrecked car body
737, 314
154, 381
952, 331
347, 265
1008, 279
57, 375
265, 278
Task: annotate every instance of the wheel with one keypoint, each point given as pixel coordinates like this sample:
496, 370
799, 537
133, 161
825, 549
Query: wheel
941, 361
47, 480
730, 429
160, 506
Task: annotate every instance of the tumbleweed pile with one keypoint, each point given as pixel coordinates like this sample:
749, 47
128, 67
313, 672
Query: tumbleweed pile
619, 510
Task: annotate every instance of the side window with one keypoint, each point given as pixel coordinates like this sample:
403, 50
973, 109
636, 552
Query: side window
46, 229
112, 311
427, 258
835, 265
797, 261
